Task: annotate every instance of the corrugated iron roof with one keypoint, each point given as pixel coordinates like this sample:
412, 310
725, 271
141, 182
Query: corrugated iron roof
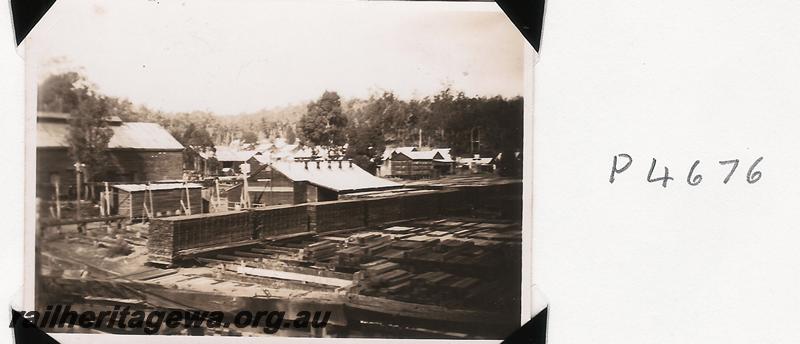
155, 187
63, 116
329, 175
387, 153
225, 154
445, 152
422, 155
128, 135
480, 161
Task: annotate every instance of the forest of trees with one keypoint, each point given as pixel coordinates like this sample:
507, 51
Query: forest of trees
448, 119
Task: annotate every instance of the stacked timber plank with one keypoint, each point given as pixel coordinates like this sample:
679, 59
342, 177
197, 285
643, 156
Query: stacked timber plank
362, 247
438, 283
383, 210
384, 277
280, 220
336, 215
318, 251
170, 237
351, 256
456, 202
425, 204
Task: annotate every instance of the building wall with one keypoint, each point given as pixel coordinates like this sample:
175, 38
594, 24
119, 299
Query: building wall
324, 195
141, 166
236, 165
311, 193
402, 166
165, 202
300, 191
273, 191
53, 162
123, 165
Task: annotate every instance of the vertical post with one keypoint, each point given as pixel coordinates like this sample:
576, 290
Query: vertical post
107, 198
102, 204
216, 188
57, 181
420, 138
245, 196
188, 201
150, 196
144, 202
78, 188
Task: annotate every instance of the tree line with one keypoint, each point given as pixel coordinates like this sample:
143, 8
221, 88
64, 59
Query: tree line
448, 119
355, 128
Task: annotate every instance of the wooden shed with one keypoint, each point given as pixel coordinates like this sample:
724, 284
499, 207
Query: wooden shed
296, 182
417, 164
139, 201
137, 152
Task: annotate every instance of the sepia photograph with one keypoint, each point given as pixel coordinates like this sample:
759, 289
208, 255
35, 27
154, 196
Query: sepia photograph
272, 168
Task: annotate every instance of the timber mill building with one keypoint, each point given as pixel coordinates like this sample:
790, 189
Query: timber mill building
296, 182
413, 163
137, 152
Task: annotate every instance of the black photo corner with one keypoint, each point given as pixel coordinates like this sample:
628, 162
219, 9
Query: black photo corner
26, 332
526, 15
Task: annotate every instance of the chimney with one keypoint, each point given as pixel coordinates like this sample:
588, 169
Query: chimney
306, 164
317, 164
340, 164
329, 164
351, 162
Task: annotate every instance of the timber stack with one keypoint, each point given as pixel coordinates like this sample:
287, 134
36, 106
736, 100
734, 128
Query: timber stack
172, 237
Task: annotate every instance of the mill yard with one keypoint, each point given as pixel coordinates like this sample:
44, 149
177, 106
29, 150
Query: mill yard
436, 258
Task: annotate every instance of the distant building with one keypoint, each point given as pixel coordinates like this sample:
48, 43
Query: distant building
413, 162
416, 164
445, 165
296, 182
477, 164
198, 160
385, 169
140, 200
231, 159
137, 152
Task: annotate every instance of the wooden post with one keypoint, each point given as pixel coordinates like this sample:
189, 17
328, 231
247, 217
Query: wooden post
107, 198
245, 196
188, 201
150, 196
79, 186
56, 179
102, 205
144, 201
216, 187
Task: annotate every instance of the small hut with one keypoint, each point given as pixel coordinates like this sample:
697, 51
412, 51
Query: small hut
146, 201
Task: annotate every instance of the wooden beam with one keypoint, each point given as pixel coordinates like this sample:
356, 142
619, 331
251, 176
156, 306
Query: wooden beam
292, 276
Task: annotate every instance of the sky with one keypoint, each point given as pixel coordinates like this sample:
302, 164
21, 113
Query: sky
181, 56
